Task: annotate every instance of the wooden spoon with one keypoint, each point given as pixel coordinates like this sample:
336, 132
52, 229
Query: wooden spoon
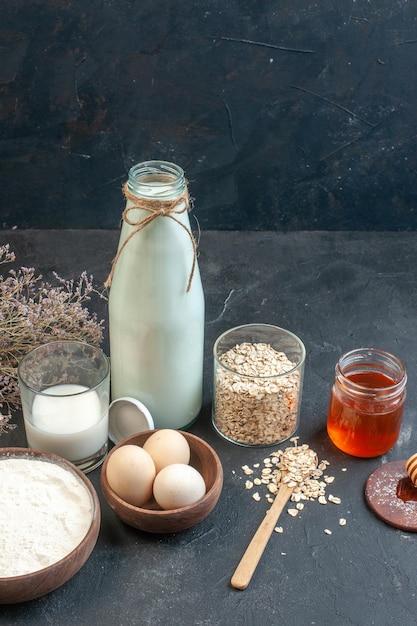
247, 565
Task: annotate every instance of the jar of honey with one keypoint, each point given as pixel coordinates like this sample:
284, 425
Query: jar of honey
367, 402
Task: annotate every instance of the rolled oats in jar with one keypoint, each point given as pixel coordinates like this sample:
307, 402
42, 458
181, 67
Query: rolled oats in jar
257, 385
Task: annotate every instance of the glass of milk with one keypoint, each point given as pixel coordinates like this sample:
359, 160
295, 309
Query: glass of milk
65, 387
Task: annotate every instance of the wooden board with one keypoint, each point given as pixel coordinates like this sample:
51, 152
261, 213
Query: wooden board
381, 496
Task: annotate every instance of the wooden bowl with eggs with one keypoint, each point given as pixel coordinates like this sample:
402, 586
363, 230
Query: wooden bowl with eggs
150, 517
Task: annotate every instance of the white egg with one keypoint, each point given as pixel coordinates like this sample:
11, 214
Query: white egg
178, 485
166, 447
130, 473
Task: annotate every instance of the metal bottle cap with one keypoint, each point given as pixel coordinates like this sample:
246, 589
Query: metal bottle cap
128, 416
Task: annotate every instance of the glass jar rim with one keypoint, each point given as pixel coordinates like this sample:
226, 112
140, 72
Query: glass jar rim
371, 360
266, 327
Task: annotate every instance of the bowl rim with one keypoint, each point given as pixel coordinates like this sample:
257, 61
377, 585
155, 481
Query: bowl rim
161, 513
49, 457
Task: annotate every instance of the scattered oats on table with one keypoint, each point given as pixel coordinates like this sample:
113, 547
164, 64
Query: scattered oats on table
334, 499
269, 475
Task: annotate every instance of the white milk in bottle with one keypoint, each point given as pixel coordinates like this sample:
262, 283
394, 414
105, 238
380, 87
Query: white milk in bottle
156, 302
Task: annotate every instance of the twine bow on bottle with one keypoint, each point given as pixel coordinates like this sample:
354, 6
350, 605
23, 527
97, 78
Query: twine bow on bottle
155, 208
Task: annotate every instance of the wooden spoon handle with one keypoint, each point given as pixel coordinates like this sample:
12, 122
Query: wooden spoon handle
247, 565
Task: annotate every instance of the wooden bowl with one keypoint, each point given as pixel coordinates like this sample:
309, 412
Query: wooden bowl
150, 518
26, 587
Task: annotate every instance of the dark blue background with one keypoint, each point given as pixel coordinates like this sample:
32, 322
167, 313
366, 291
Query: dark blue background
285, 115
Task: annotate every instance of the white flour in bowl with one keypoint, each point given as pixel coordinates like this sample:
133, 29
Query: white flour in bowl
45, 512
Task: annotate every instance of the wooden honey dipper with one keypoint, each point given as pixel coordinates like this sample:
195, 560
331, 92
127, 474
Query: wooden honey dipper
411, 467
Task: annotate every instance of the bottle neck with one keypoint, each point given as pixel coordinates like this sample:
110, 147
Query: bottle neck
156, 180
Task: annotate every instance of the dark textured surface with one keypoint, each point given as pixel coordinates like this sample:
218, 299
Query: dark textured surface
285, 114
336, 291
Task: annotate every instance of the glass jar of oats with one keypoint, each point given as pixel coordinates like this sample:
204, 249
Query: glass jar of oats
257, 384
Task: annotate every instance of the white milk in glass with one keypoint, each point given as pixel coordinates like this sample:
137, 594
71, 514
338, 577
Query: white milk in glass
67, 420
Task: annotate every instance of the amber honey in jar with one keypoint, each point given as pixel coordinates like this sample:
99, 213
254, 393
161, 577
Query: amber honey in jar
367, 402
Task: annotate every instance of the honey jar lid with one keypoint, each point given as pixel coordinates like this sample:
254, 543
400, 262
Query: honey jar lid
128, 416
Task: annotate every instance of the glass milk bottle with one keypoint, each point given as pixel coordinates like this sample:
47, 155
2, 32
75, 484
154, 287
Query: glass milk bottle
156, 302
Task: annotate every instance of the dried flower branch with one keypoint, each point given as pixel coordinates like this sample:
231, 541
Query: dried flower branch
33, 312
